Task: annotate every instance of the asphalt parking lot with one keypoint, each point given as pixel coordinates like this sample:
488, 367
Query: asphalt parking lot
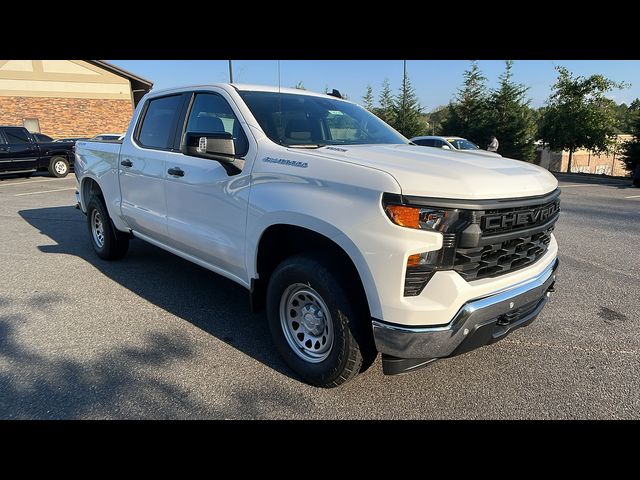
153, 336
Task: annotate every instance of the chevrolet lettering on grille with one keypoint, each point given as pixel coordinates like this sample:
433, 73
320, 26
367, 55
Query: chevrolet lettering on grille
522, 218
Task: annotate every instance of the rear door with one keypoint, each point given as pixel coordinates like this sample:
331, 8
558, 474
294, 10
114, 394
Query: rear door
22, 149
143, 164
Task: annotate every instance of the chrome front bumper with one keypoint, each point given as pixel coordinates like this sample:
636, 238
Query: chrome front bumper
477, 323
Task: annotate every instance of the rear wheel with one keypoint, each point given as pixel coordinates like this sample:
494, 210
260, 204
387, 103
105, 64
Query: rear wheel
59, 167
314, 323
109, 243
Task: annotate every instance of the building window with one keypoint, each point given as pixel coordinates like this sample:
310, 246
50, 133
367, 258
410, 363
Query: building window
31, 124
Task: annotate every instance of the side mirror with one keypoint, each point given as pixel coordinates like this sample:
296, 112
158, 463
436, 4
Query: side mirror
446, 147
214, 146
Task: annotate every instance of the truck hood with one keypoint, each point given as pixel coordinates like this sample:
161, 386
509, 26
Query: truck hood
439, 173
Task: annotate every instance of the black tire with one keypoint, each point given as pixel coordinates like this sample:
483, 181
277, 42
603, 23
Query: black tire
59, 166
350, 344
114, 243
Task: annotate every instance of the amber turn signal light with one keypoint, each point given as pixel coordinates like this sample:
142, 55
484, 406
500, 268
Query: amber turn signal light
404, 216
413, 260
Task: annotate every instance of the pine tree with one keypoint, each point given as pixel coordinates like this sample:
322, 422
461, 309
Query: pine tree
510, 119
467, 114
386, 100
367, 99
408, 112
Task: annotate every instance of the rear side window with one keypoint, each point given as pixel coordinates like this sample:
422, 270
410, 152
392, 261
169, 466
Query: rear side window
211, 113
425, 143
158, 125
16, 136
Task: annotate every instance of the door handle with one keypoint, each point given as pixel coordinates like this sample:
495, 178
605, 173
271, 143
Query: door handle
176, 172
126, 163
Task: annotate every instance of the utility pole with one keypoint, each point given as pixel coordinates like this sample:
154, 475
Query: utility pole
404, 93
230, 73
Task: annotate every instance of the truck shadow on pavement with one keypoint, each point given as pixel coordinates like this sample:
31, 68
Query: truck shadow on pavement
209, 301
45, 387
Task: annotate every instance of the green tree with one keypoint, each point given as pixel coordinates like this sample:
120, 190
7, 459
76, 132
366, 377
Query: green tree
367, 99
631, 117
437, 118
578, 114
385, 110
407, 111
631, 149
468, 112
300, 85
510, 119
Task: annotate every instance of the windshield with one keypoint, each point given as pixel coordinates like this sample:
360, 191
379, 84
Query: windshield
462, 144
304, 120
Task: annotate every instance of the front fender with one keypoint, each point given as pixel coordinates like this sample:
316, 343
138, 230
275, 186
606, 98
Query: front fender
322, 227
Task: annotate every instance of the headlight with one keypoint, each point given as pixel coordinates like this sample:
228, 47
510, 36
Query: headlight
420, 267
424, 218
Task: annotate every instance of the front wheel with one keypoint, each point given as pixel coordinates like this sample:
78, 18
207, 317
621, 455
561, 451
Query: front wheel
313, 322
59, 167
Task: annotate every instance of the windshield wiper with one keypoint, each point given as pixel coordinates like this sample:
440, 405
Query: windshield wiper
310, 145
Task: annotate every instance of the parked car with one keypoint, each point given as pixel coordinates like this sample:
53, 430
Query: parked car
42, 138
458, 144
636, 176
70, 139
353, 240
21, 153
107, 137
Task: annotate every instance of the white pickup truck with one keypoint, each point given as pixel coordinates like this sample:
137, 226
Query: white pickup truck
354, 240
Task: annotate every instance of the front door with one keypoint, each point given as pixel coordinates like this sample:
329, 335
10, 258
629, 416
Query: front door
206, 204
143, 163
22, 150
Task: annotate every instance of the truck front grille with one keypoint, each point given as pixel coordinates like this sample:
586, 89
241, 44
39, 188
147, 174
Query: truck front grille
500, 258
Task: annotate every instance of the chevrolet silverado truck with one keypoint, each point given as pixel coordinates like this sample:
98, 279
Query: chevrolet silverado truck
21, 153
355, 241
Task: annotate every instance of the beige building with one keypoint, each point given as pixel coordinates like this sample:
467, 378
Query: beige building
585, 161
68, 98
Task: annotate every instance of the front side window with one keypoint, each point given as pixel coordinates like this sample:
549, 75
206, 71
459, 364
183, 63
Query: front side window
427, 142
16, 136
210, 113
462, 144
304, 120
158, 124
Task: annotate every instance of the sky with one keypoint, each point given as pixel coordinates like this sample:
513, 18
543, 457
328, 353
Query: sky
435, 81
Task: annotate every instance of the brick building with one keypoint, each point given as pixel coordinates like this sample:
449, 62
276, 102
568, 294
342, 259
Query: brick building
68, 98
586, 161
